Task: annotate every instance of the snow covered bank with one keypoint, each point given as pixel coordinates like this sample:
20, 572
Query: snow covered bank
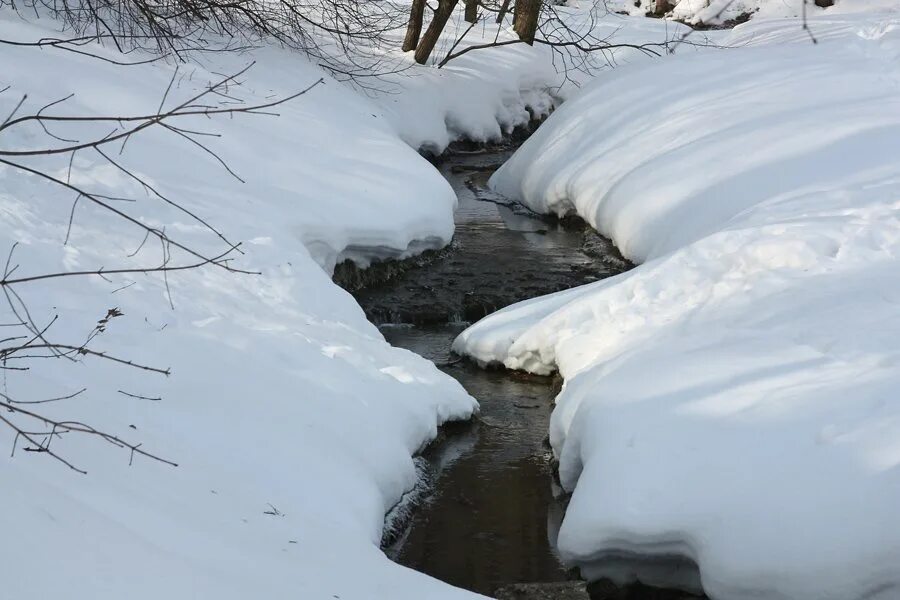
729, 12
734, 398
292, 420
485, 94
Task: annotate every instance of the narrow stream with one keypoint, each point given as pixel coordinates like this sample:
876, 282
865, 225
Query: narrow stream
492, 517
487, 512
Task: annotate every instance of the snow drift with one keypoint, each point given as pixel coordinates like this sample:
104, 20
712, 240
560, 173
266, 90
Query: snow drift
729, 12
732, 400
292, 419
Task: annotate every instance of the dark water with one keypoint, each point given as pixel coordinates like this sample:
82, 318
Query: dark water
492, 517
499, 255
487, 512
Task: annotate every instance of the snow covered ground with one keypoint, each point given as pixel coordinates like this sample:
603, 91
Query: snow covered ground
485, 94
733, 399
293, 422
281, 393
719, 12
283, 398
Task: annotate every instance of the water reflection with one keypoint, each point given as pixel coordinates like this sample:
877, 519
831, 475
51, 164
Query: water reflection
491, 518
492, 514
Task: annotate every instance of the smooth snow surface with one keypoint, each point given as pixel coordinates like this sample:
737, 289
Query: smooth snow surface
281, 395
734, 399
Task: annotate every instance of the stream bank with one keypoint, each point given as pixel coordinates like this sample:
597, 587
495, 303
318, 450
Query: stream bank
487, 510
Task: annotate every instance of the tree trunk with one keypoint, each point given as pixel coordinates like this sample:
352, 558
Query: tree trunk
527, 14
504, 8
662, 7
441, 16
471, 11
414, 28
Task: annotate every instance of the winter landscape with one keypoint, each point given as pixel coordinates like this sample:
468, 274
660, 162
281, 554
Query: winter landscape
408, 299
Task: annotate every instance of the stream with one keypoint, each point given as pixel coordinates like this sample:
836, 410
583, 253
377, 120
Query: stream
487, 510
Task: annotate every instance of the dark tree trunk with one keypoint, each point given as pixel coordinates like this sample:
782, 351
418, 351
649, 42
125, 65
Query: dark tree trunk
504, 8
471, 11
662, 7
527, 14
428, 41
414, 28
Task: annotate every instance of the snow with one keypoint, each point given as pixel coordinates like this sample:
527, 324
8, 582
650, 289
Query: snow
771, 307
292, 420
485, 94
727, 12
283, 398
720, 11
281, 395
732, 400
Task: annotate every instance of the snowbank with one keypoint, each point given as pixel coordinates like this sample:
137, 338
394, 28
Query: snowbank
485, 94
292, 420
730, 12
723, 11
732, 400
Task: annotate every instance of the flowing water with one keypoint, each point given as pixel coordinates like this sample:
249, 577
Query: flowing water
492, 516
487, 511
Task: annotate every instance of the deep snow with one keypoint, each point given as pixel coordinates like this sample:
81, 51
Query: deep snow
485, 94
723, 12
733, 399
282, 394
